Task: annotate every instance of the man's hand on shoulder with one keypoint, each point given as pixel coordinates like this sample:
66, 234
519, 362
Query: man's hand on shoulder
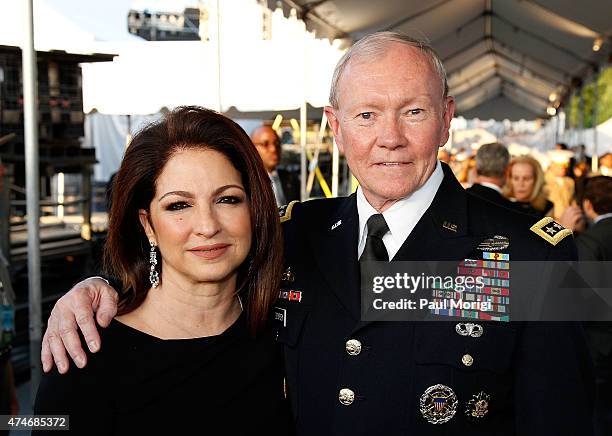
73, 311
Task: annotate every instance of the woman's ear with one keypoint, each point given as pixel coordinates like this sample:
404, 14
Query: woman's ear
143, 215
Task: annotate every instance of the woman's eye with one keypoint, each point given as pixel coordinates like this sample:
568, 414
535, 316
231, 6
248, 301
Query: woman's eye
229, 199
178, 205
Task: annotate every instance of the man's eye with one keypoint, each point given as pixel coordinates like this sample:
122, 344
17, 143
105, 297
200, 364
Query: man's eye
416, 111
229, 199
178, 205
366, 115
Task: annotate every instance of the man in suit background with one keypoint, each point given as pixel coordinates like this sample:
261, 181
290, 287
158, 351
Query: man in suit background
286, 185
491, 165
596, 242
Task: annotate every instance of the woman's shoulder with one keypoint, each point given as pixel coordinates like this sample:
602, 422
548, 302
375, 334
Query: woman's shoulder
83, 393
97, 363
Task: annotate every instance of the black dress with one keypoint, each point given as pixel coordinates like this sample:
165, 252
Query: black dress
527, 208
139, 384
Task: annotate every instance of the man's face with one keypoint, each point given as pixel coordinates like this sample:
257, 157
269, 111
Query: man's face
390, 120
268, 145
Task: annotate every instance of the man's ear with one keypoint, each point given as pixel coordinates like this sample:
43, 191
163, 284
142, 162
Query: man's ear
143, 215
334, 123
447, 117
587, 206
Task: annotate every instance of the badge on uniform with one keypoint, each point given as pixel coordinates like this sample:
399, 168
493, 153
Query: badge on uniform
550, 230
478, 406
280, 316
290, 295
469, 329
438, 404
496, 243
449, 226
288, 276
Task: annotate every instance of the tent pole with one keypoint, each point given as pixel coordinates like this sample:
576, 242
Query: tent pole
32, 195
303, 128
595, 159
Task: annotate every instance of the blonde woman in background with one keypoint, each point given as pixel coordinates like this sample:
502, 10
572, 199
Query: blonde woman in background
526, 186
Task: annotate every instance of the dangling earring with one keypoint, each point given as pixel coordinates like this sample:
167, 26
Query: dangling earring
153, 275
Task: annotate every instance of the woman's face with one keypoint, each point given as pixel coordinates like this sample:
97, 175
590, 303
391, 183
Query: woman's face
199, 218
522, 179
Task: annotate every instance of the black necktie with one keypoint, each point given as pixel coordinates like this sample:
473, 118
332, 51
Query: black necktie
375, 247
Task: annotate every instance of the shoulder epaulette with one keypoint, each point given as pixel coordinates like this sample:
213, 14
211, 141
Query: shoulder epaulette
550, 230
285, 211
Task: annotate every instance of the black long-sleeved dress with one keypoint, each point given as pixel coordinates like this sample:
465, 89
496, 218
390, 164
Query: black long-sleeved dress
229, 384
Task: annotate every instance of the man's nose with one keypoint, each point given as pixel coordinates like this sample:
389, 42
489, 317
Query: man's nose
391, 136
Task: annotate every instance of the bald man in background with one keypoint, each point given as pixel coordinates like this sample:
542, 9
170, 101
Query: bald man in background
286, 186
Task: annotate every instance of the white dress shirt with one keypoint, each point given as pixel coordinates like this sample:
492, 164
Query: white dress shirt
602, 217
277, 187
402, 217
493, 186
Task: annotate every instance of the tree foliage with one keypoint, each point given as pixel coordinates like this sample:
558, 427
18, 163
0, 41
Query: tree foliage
581, 107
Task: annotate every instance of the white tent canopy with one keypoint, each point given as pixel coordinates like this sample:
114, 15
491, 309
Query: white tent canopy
255, 74
497, 53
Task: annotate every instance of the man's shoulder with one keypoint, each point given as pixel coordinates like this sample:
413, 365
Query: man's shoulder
530, 233
317, 209
596, 237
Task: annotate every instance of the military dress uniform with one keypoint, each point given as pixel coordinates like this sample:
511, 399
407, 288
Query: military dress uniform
346, 376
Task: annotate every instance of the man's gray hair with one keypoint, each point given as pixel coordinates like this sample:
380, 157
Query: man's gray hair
374, 46
492, 160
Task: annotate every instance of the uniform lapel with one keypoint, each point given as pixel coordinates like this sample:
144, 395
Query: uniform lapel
443, 232
335, 246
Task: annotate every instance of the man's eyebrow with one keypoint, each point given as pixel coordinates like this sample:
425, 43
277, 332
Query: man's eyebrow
179, 193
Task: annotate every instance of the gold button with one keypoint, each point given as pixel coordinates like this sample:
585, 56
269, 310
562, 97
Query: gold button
346, 396
353, 347
467, 360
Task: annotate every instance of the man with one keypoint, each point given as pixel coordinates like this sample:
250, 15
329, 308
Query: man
346, 376
491, 165
285, 185
596, 242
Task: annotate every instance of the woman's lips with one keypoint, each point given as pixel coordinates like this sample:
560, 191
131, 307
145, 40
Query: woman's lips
210, 252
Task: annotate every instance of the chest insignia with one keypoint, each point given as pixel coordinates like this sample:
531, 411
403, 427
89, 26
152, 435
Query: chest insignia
438, 404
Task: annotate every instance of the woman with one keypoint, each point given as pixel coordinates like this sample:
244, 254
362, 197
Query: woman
195, 240
525, 185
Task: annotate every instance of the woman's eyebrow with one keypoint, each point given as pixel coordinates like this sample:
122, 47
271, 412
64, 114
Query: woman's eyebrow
224, 187
179, 193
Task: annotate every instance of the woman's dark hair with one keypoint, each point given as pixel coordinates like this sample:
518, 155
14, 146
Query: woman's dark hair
126, 253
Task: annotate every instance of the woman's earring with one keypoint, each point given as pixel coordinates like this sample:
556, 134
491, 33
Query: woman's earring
153, 275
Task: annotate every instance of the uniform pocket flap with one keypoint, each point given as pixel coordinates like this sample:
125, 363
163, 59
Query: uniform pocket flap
440, 343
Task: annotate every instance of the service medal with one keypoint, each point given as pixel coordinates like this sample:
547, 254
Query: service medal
438, 404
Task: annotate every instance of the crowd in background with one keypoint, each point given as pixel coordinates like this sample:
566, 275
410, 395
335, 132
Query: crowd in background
562, 187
